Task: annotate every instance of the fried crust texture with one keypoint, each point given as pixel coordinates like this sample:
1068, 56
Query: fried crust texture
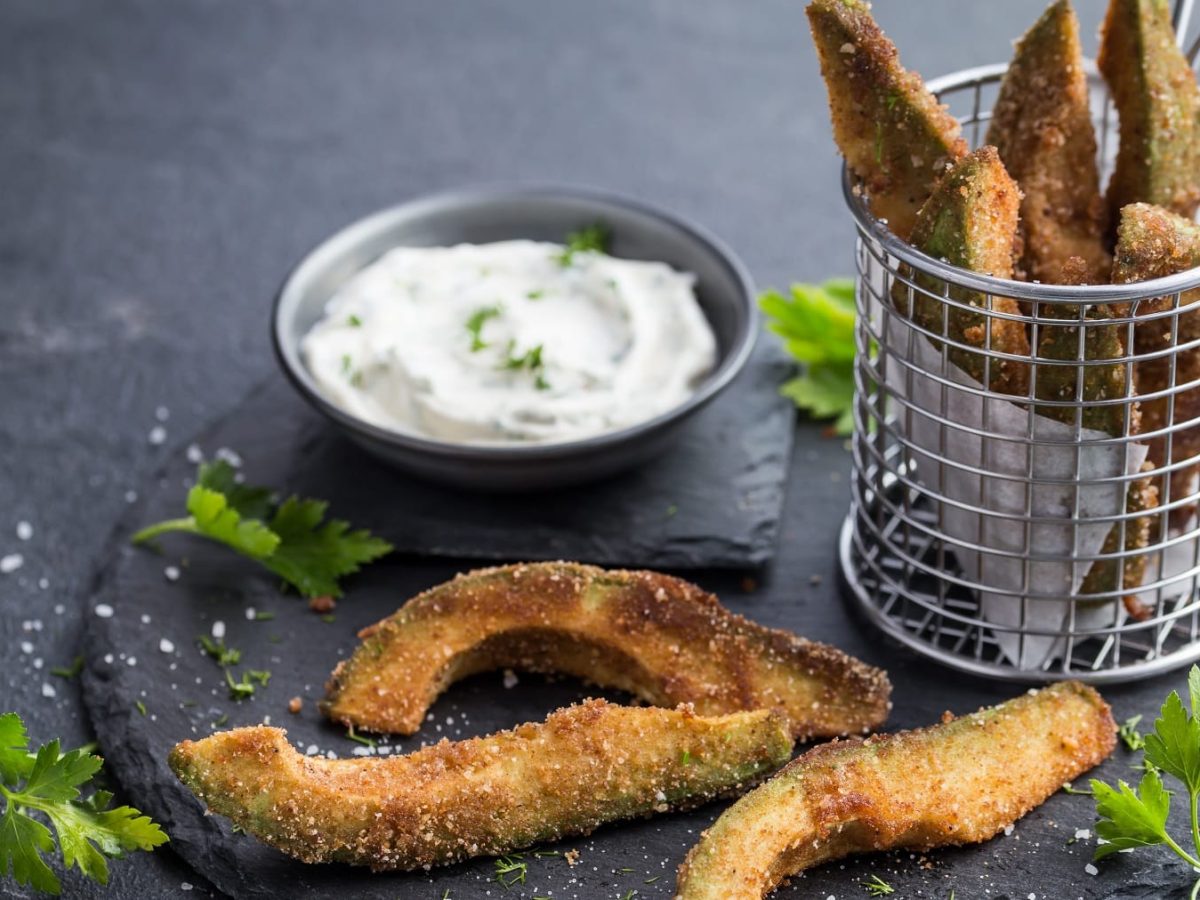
1152, 243
586, 765
657, 637
1042, 127
895, 136
959, 782
971, 222
1158, 101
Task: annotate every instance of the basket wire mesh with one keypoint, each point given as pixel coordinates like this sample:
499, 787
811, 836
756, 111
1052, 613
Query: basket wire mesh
974, 525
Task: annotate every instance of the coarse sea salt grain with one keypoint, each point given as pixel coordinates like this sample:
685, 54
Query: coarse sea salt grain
218, 629
157, 435
171, 573
1091, 870
24, 531
11, 563
1082, 834
194, 454
48, 691
162, 413
1008, 829
131, 496
166, 645
26, 647
251, 613
104, 611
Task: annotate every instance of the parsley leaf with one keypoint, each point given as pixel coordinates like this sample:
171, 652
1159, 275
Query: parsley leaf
475, 325
312, 556
816, 323
1130, 820
87, 830
291, 540
593, 239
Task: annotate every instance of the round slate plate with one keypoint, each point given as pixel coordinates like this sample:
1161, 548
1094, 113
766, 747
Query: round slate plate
146, 653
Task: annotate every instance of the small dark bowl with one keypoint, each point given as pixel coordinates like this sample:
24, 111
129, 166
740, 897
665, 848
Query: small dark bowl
482, 215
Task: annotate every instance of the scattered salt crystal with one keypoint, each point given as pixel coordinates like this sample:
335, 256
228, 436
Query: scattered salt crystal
510, 678
132, 661
185, 886
1082, 834
145, 619
108, 658
162, 413
251, 612
1008, 829
48, 690
104, 611
131, 496
229, 456
26, 647
362, 751
194, 454
11, 563
1091, 870
311, 751
24, 531
37, 663
166, 646
218, 629
157, 435
171, 573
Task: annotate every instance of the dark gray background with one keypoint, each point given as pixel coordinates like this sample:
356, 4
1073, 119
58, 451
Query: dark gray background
165, 163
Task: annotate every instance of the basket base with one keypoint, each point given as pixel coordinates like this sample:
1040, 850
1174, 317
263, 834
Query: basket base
941, 630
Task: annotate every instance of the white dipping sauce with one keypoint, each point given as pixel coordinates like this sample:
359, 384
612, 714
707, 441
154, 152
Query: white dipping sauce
510, 342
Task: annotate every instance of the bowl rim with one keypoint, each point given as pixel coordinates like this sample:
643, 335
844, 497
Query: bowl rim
734, 360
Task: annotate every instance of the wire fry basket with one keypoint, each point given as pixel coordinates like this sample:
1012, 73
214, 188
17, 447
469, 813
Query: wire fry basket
991, 532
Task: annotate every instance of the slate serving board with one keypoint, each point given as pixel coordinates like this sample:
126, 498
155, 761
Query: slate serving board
183, 693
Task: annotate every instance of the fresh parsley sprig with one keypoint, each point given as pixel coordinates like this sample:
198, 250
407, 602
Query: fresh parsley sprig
816, 323
1132, 819
47, 783
292, 539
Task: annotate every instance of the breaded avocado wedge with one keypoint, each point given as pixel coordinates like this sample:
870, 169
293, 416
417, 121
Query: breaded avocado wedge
970, 221
894, 134
660, 638
1152, 243
960, 782
1042, 127
1155, 92
586, 765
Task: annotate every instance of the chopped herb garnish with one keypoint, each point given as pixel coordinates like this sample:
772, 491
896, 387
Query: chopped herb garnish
877, 887
672, 509
539, 854
354, 321
531, 361
685, 757
221, 721
240, 689
71, 671
475, 325
541, 383
262, 676
1067, 789
47, 785
358, 738
536, 295
652, 880
224, 656
593, 239
329, 618
263, 616
346, 363
141, 707
1130, 736
293, 539
510, 870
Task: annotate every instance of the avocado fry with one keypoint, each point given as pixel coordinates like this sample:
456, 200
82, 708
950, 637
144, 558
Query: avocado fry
1042, 128
1151, 243
895, 136
660, 638
1100, 383
1157, 99
586, 765
960, 782
970, 221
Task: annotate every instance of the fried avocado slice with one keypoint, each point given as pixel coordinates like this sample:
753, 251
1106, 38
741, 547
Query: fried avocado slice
586, 765
960, 782
894, 134
971, 222
657, 637
1155, 92
1042, 128
1100, 382
1152, 243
